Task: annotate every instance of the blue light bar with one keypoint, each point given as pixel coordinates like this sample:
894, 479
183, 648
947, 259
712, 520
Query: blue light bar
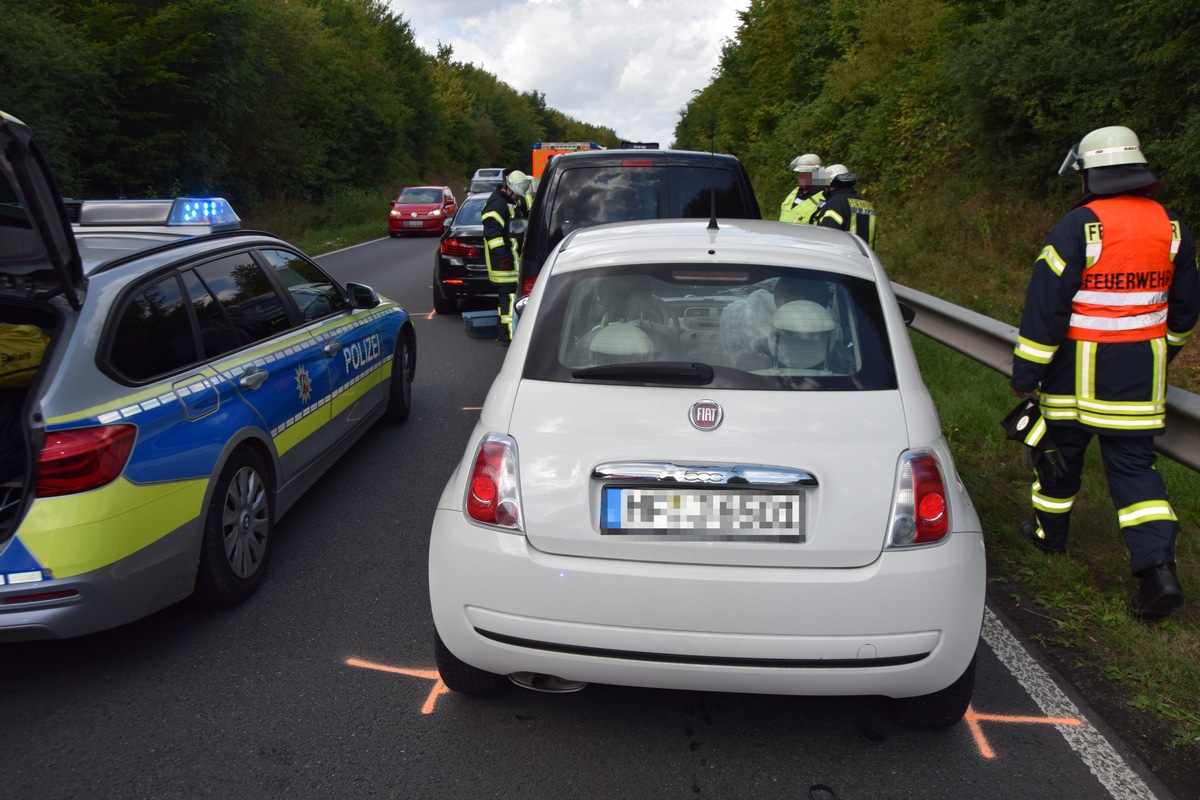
212, 211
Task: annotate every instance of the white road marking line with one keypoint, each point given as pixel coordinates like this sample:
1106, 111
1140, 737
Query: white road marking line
1113, 773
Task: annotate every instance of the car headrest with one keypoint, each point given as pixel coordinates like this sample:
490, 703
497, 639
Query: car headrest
621, 339
803, 316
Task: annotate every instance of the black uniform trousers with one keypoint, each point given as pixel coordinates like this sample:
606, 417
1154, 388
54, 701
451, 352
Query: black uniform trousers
1129, 467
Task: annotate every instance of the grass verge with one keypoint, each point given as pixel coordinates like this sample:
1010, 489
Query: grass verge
350, 217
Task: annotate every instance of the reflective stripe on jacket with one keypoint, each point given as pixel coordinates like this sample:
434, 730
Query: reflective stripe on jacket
500, 248
1127, 272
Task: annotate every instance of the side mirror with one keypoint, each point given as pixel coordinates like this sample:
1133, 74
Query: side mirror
362, 296
907, 312
519, 306
517, 226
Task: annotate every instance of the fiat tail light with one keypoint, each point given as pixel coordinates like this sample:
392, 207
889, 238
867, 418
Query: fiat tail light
921, 511
84, 458
493, 496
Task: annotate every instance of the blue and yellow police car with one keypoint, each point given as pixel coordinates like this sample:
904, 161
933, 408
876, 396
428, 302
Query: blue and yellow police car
170, 385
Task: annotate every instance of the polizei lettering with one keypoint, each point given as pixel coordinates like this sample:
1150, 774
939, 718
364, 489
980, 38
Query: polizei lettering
1128, 281
361, 354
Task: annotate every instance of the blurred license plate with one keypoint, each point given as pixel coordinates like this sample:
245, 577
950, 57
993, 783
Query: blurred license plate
413, 223
703, 514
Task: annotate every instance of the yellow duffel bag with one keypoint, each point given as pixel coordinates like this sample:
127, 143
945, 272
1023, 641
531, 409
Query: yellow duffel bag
21, 351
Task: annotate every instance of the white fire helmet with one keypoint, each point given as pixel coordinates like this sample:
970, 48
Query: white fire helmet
517, 181
809, 162
1104, 147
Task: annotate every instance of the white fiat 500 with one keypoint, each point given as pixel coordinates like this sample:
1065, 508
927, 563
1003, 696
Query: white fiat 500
709, 463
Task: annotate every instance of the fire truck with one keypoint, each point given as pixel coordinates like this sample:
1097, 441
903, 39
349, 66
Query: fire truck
544, 151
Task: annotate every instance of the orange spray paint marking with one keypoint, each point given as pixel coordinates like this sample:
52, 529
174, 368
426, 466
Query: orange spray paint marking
439, 688
973, 719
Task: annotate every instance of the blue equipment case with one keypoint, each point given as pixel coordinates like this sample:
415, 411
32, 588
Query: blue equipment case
481, 324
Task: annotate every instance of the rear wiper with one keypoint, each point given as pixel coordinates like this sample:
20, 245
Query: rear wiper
683, 373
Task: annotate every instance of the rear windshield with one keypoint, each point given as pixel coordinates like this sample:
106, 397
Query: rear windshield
470, 212
740, 327
484, 185
586, 196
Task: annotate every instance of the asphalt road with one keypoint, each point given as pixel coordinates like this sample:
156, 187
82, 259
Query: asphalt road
323, 684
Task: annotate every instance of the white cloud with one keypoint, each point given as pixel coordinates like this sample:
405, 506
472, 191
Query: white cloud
630, 65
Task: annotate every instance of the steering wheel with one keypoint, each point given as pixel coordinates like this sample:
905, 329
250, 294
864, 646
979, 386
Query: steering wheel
660, 312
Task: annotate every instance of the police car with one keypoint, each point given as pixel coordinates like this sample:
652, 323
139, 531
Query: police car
170, 385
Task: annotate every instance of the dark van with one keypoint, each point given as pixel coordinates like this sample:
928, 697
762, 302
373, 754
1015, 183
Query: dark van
593, 187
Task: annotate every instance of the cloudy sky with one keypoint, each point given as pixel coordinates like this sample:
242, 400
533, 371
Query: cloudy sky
630, 65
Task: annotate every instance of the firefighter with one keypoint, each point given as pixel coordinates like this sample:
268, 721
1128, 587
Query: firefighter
1111, 301
805, 200
526, 207
501, 250
843, 207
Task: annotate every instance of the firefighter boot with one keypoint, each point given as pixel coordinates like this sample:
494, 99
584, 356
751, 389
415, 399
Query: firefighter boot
1159, 592
1030, 531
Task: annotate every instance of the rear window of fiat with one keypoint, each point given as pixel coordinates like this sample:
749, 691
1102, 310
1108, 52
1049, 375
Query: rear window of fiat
743, 327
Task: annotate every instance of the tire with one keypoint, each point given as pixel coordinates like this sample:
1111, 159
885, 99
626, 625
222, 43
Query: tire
399, 402
462, 677
238, 531
940, 709
441, 303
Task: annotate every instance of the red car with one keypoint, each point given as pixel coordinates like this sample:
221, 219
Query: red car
422, 209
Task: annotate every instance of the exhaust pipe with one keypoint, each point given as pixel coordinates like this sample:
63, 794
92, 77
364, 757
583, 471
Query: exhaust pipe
545, 683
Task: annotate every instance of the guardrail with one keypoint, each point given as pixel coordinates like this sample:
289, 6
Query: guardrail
991, 343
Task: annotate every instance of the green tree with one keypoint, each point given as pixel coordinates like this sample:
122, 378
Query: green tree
52, 77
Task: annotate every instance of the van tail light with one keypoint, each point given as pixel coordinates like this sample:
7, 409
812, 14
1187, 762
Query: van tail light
453, 247
921, 512
84, 458
527, 286
493, 496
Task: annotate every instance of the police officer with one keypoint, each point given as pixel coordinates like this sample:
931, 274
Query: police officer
805, 200
1112, 299
843, 207
501, 249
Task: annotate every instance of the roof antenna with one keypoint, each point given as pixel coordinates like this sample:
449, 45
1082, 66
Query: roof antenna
712, 175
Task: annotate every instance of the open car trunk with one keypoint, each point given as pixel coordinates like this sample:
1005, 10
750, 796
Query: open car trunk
25, 334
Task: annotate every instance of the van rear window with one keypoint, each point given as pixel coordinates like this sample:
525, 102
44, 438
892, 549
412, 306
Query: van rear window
587, 196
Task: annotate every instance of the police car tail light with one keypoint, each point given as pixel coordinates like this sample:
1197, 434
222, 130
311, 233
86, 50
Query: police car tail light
920, 513
84, 458
453, 247
493, 496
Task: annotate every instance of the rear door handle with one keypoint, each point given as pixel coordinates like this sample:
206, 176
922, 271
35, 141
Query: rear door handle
253, 378
332, 348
